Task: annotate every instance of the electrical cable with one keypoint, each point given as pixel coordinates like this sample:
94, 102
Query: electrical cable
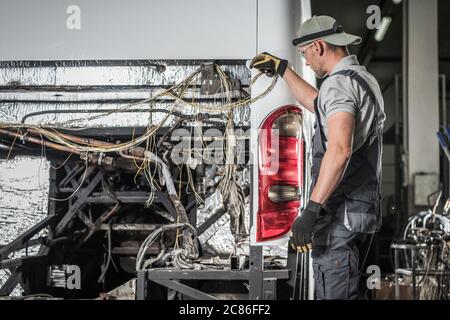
108, 257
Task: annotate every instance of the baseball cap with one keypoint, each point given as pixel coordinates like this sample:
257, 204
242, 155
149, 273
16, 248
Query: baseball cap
325, 28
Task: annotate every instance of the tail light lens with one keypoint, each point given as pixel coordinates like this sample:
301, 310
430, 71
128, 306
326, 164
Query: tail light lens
279, 172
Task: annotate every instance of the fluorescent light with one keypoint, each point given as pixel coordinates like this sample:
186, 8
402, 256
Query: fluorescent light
397, 1
384, 26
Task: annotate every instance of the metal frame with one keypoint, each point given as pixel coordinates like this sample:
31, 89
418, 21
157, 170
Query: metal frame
21, 241
10, 283
405, 271
413, 272
262, 283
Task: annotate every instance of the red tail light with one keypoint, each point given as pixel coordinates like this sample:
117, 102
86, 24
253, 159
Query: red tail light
279, 172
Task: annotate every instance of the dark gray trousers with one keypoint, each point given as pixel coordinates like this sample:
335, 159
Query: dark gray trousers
337, 266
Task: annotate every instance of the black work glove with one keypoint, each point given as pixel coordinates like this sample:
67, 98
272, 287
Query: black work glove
269, 64
303, 227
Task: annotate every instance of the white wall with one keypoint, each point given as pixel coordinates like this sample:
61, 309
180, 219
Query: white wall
132, 29
422, 89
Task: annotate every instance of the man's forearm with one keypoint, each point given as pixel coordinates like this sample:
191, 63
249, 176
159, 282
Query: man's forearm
331, 172
302, 90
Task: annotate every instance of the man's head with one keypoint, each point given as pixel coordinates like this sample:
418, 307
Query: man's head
322, 41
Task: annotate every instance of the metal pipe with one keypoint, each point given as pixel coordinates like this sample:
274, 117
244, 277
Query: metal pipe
49, 144
93, 158
4, 147
77, 139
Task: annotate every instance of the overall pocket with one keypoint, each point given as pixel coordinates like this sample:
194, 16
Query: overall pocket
361, 212
333, 276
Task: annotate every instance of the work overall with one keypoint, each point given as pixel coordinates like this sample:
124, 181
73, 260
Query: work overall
351, 213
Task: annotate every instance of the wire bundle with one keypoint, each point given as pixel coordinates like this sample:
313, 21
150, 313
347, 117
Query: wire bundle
179, 256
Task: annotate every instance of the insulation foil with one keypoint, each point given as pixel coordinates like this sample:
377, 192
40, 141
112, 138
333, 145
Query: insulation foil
24, 183
33, 87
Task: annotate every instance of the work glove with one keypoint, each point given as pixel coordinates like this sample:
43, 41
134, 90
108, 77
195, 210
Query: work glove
269, 64
303, 227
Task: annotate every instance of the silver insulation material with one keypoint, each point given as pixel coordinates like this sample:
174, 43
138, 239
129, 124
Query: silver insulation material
213, 204
218, 236
88, 73
24, 183
27, 87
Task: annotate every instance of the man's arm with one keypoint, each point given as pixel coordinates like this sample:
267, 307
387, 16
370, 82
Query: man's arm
302, 90
271, 65
341, 126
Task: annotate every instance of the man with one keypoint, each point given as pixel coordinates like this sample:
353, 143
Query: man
344, 207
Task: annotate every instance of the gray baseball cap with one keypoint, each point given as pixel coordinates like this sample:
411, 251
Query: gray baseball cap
325, 28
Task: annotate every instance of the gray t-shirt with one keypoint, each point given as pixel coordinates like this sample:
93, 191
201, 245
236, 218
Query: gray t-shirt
340, 93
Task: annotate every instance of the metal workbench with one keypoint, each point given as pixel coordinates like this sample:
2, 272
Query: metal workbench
262, 283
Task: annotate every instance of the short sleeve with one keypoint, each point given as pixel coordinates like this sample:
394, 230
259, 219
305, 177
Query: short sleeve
336, 96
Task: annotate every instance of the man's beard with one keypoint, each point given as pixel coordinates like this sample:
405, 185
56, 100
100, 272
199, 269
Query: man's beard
320, 74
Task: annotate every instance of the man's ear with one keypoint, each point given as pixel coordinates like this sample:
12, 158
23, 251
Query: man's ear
320, 47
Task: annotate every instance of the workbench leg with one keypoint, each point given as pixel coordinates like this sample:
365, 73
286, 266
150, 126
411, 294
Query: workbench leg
256, 273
